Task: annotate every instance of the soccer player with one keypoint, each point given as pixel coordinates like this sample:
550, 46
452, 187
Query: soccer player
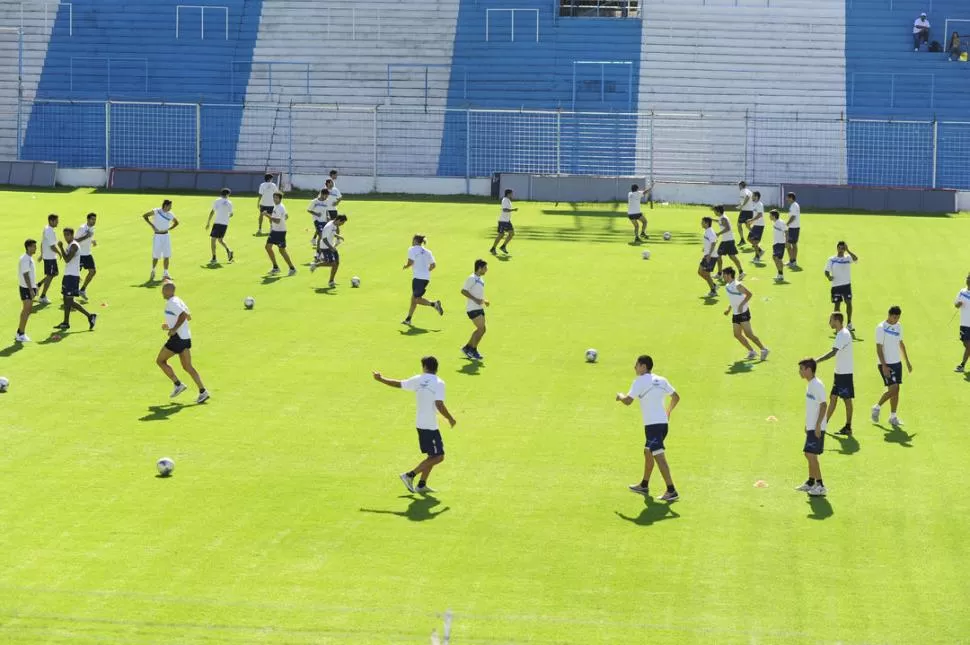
739, 297
335, 195
421, 262
745, 211
842, 386
962, 303
709, 260
27, 277
780, 242
49, 254
222, 210
652, 390
71, 282
727, 246
266, 204
179, 343
85, 237
474, 291
327, 255
505, 228
318, 211
163, 222
890, 349
333, 176
794, 229
838, 270
277, 234
756, 226
430, 393
814, 428
633, 211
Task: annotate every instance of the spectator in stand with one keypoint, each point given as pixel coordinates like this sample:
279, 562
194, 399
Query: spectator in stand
921, 31
953, 48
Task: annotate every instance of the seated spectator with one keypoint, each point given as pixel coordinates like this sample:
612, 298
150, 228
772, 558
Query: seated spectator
921, 31
953, 48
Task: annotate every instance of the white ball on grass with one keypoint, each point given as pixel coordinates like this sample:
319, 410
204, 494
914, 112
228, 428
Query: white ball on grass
165, 466
249, 302
355, 282
646, 255
4, 383
591, 355
667, 236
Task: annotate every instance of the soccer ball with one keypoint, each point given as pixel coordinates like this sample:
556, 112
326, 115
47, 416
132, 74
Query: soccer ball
667, 236
355, 282
646, 255
250, 302
4, 383
165, 466
591, 355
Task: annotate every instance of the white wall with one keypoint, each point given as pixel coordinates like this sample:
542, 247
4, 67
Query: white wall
963, 200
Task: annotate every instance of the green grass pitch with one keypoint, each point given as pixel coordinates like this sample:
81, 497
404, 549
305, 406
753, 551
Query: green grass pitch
285, 521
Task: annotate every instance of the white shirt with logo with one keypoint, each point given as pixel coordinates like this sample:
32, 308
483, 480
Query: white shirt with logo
964, 297
85, 244
47, 240
728, 234
73, 266
422, 259
780, 231
840, 268
428, 389
795, 213
710, 242
319, 209
814, 398
889, 336
266, 190
633, 199
223, 210
843, 351
506, 214
651, 390
758, 208
279, 212
475, 285
174, 307
736, 296
162, 220
26, 265
744, 203
336, 195
329, 234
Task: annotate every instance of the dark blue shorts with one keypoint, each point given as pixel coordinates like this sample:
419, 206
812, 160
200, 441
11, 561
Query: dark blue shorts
50, 267
727, 248
318, 225
635, 216
277, 238
744, 216
964, 333
843, 387
505, 227
895, 374
267, 210
655, 433
708, 264
70, 286
842, 293
26, 294
430, 442
178, 345
87, 262
330, 256
743, 317
793, 235
756, 233
419, 287
813, 445
475, 313
218, 231
778, 251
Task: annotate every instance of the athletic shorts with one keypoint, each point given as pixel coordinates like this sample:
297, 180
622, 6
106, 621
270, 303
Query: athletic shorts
331, 215
843, 387
742, 317
430, 442
634, 216
87, 262
318, 226
964, 333
655, 434
419, 287
744, 216
505, 227
727, 247
708, 264
277, 238
267, 210
70, 286
162, 246
842, 293
50, 267
26, 294
330, 256
756, 233
219, 231
778, 250
178, 345
895, 374
814, 445
793, 235
475, 313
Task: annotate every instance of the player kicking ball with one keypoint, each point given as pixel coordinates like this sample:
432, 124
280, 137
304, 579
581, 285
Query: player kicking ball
327, 255
962, 303
430, 394
474, 291
739, 297
634, 213
814, 428
179, 343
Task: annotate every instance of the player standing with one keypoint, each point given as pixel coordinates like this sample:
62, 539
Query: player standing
814, 428
842, 385
745, 212
179, 343
85, 237
71, 282
794, 229
505, 228
709, 261
27, 277
635, 214
327, 255
739, 297
727, 246
421, 262
474, 291
335, 195
163, 222
890, 350
756, 226
277, 234
318, 211
780, 242
839, 272
222, 210
266, 204
49, 254
652, 390
962, 303
430, 393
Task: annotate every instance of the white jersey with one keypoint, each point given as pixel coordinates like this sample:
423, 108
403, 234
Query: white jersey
889, 336
279, 212
840, 268
266, 190
428, 389
162, 220
335, 195
47, 241
795, 213
758, 208
964, 297
174, 307
814, 398
506, 214
843, 352
710, 242
73, 266
319, 209
728, 234
651, 390
736, 296
780, 231
82, 231
744, 201
329, 234
26, 266
223, 210
633, 200
474, 285
423, 259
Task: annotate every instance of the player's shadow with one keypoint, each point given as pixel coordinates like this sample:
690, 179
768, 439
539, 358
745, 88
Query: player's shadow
848, 444
161, 412
652, 513
503, 258
821, 508
217, 265
471, 368
11, 349
419, 509
708, 300
56, 336
739, 367
327, 291
795, 269
147, 284
271, 279
417, 331
783, 283
966, 377
897, 435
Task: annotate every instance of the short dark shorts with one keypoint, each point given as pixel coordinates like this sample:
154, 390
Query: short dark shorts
50, 267
843, 387
708, 264
778, 251
218, 231
266, 210
895, 374
419, 287
793, 235
744, 216
87, 262
318, 226
756, 233
964, 333
655, 434
634, 216
330, 256
26, 294
331, 214
178, 345
505, 227
814, 445
842, 293
743, 317
430, 442
70, 286
277, 238
475, 313
727, 247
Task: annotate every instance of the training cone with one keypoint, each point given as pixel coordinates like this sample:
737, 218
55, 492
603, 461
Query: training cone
761, 484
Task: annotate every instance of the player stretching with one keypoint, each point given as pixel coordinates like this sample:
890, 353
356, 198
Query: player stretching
651, 390
505, 228
780, 242
756, 226
222, 210
633, 211
962, 303
814, 428
85, 237
318, 211
27, 276
739, 297
421, 262
710, 255
430, 393
71, 282
842, 386
177, 317
745, 211
266, 204
794, 229
890, 349
474, 291
727, 246
277, 234
327, 255
838, 270
163, 222
49, 254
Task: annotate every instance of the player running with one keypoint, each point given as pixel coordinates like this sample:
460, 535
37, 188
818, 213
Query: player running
739, 297
794, 229
421, 262
727, 246
327, 255
842, 386
756, 226
814, 428
962, 303
318, 211
652, 390
745, 210
890, 349
838, 270
222, 211
430, 393
179, 343
277, 234
163, 222
335, 196
709, 260
779, 244
635, 213
266, 191
505, 228
474, 291
49, 254
71, 282
27, 278
85, 237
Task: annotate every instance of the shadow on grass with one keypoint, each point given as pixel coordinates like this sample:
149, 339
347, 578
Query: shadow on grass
217, 265
328, 291
147, 284
897, 435
270, 279
11, 349
848, 445
419, 509
821, 508
417, 331
708, 300
739, 367
502, 258
161, 412
56, 336
471, 368
652, 513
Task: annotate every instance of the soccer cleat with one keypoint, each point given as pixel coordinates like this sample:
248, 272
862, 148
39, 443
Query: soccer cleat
958, 368
895, 421
476, 355
757, 257
232, 256
875, 414
669, 496
818, 491
424, 490
21, 338
407, 321
850, 327
643, 236
764, 354
638, 489
44, 301
468, 352
503, 250
181, 387
82, 294
845, 431
779, 278
712, 293
212, 261
63, 325
203, 396
408, 482
93, 318
274, 270
438, 308
804, 488
166, 276
332, 284
313, 267
292, 271
151, 277
751, 356
492, 251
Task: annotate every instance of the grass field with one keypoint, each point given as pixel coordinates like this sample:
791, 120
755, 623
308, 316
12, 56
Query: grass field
285, 520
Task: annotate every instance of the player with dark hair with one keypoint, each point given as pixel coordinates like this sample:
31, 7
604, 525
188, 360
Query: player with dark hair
327, 255
277, 234
505, 228
890, 349
49, 254
756, 225
266, 191
222, 210
814, 428
727, 246
779, 231
474, 291
709, 260
842, 385
421, 262
962, 303
318, 209
163, 222
838, 270
179, 343
27, 278
739, 296
745, 212
794, 229
85, 237
71, 282
635, 213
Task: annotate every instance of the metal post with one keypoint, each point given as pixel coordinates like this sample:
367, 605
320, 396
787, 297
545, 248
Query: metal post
107, 142
651, 148
512, 12
289, 144
468, 151
198, 136
843, 180
574, 86
425, 88
353, 22
375, 149
602, 83
202, 22
20, 87
559, 141
936, 132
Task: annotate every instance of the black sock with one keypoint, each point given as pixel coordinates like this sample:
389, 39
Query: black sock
178, 383
201, 390
810, 482
422, 483
411, 474
645, 483
819, 482
671, 488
